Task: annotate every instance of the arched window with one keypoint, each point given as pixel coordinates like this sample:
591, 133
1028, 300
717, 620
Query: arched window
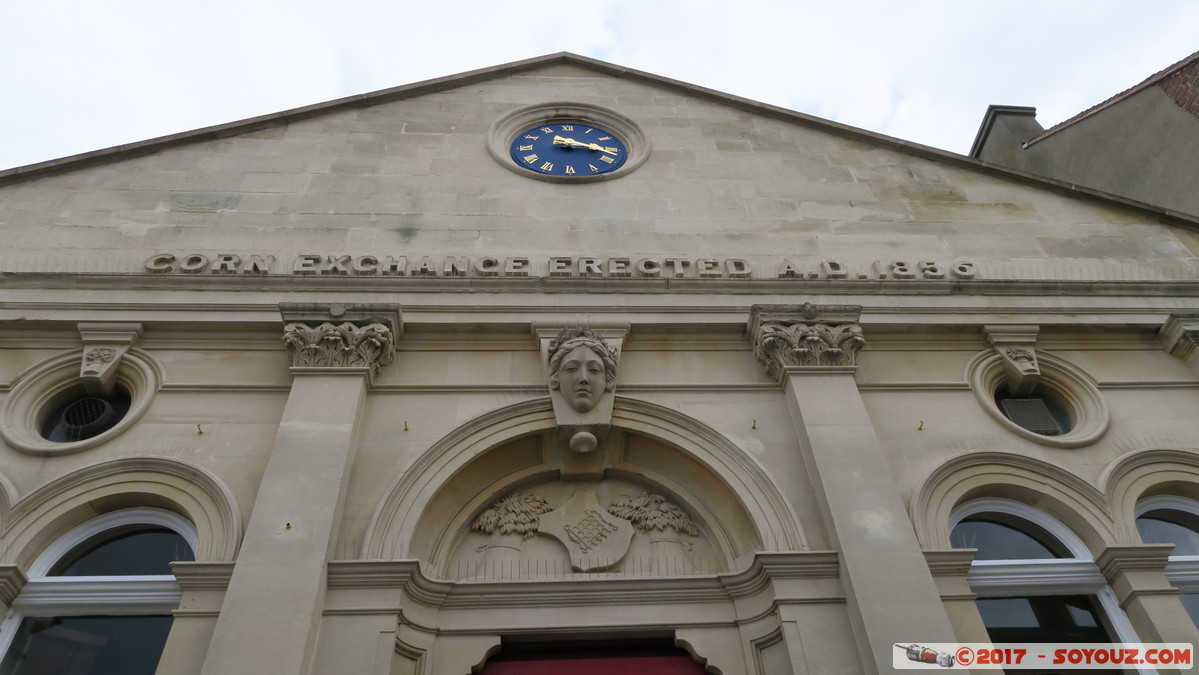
1036, 580
1175, 520
98, 600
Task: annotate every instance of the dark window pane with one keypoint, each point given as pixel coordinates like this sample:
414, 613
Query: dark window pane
999, 541
1043, 618
1191, 602
1007, 613
1169, 527
139, 552
1038, 412
87, 645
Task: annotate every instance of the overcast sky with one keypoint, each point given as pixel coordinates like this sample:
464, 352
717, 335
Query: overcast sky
80, 75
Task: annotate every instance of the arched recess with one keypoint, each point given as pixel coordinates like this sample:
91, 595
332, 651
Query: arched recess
53, 509
438, 494
1147, 473
1065, 496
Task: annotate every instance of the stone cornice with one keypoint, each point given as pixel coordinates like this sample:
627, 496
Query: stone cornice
599, 589
950, 562
12, 579
809, 336
1115, 560
202, 575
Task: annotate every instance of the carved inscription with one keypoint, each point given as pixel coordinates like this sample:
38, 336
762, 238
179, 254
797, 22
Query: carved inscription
578, 267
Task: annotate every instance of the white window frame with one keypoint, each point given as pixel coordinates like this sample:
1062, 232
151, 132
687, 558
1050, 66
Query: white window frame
1181, 570
157, 594
1077, 575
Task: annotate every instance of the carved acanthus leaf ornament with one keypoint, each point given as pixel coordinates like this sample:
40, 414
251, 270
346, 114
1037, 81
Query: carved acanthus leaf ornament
781, 344
329, 345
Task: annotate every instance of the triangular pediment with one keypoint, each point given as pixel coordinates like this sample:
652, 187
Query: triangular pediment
419, 180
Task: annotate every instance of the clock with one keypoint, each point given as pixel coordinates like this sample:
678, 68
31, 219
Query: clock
568, 149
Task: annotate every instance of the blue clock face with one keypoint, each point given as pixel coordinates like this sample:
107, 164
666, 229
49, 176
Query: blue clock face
568, 149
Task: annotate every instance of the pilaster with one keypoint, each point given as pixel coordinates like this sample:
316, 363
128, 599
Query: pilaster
891, 596
269, 619
1136, 573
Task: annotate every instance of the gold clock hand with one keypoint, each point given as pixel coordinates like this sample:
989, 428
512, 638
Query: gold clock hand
559, 140
570, 142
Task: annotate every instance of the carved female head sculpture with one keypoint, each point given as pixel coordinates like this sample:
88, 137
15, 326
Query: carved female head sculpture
582, 367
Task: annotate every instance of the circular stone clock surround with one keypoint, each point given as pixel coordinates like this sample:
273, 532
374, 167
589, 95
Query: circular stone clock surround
506, 129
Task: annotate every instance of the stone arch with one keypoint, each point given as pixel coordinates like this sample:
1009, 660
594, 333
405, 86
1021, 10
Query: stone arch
1060, 493
1147, 473
521, 436
58, 506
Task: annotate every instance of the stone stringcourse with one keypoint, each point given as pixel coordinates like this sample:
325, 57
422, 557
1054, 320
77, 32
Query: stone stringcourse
344, 345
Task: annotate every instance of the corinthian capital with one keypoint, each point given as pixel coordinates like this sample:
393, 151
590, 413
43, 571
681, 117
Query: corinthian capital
340, 336
805, 335
342, 345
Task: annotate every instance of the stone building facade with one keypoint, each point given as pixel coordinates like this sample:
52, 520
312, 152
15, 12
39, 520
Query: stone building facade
401, 401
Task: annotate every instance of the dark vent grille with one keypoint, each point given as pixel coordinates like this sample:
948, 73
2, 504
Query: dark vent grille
86, 411
85, 417
1032, 414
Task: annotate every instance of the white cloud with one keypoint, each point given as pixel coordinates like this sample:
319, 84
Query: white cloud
91, 75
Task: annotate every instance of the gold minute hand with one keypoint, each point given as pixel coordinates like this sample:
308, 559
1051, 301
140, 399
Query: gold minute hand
572, 143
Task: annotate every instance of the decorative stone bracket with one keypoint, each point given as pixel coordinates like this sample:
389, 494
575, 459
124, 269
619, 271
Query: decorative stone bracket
340, 336
1017, 346
1179, 335
807, 335
103, 346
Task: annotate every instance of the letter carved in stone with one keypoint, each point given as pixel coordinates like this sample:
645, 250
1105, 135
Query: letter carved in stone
345, 345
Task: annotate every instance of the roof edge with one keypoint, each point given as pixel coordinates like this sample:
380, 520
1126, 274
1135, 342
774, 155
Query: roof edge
994, 111
1150, 81
139, 148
